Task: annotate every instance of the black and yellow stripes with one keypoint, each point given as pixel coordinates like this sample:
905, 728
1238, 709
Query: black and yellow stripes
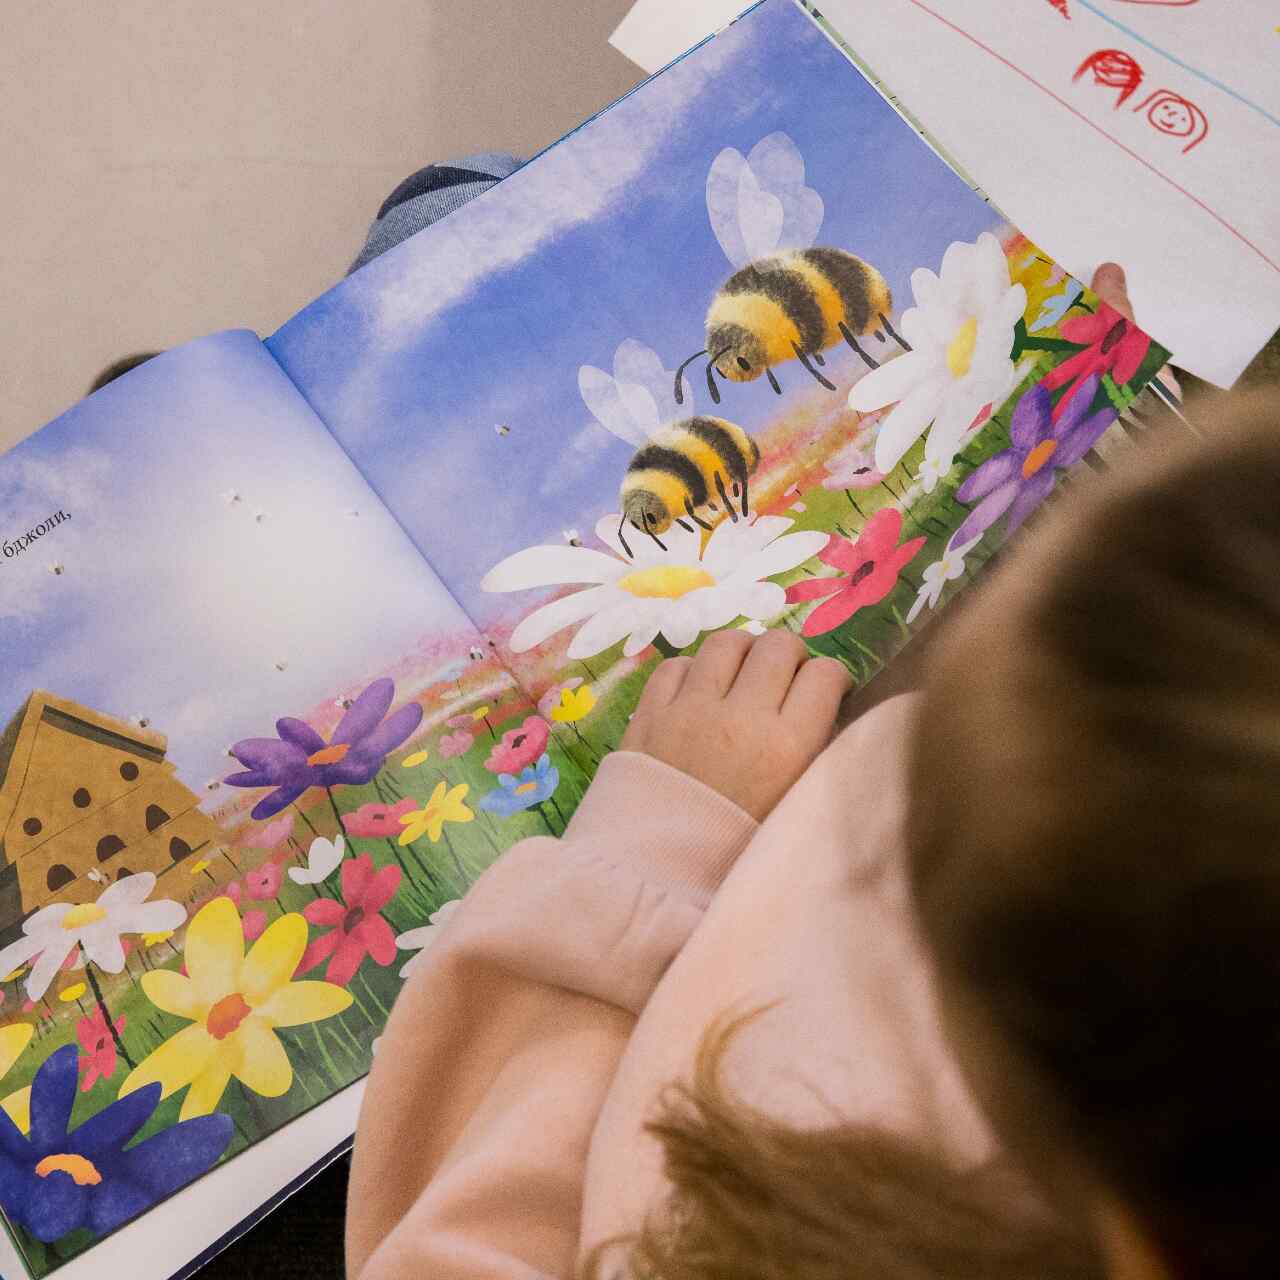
689, 465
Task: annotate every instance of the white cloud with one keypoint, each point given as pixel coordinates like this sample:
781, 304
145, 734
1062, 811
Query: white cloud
581, 452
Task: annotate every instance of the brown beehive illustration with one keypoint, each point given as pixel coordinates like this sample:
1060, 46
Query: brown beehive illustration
80, 792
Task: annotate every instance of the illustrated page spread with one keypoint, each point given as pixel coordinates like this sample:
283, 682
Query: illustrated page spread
251, 755
742, 351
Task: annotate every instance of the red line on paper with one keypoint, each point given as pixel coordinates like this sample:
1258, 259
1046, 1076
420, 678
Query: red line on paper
1013, 66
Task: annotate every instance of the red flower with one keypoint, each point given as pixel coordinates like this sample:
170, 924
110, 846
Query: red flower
358, 930
99, 1048
264, 883
520, 747
1116, 346
871, 567
371, 821
232, 891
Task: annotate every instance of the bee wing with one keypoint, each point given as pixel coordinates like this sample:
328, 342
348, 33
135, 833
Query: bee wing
759, 203
637, 398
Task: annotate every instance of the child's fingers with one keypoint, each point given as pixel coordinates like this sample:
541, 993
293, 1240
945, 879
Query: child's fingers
1110, 285
663, 686
717, 663
815, 694
769, 668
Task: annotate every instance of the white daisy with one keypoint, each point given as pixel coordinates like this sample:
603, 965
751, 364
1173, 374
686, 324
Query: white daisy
753, 628
937, 575
679, 589
53, 931
423, 937
322, 860
961, 334
931, 471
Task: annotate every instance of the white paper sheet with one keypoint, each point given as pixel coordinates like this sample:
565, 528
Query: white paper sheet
1178, 181
656, 31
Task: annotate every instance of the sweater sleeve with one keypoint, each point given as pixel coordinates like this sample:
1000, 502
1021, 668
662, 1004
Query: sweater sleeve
473, 1134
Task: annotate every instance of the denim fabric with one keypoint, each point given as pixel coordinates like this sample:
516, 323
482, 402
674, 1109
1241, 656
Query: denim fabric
426, 196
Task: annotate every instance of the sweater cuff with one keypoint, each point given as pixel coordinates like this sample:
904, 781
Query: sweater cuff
664, 825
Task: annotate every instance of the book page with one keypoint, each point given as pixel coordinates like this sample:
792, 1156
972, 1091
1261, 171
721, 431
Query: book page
251, 750
739, 352
1134, 130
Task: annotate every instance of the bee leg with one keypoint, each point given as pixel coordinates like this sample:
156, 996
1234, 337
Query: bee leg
773, 382
744, 495
893, 333
688, 506
623, 540
649, 530
724, 497
847, 334
880, 335
819, 359
688, 528
711, 384
804, 360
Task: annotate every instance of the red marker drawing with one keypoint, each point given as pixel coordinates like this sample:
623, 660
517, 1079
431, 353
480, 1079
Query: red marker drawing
1113, 68
1177, 116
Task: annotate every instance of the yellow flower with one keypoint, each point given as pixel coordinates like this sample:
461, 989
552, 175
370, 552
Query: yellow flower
444, 806
155, 939
198, 867
1034, 274
13, 973
73, 992
417, 758
574, 704
480, 712
236, 1002
13, 1039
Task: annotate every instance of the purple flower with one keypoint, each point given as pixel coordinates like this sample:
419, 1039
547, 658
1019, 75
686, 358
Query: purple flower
1019, 479
300, 758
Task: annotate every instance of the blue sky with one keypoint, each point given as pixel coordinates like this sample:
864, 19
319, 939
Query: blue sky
176, 604
485, 318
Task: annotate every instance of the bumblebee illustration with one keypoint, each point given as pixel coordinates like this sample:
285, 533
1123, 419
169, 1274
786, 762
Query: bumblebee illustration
788, 305
697, 463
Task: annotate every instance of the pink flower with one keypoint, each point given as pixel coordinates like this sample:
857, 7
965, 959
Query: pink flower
456, 744
264, 883
358, 930
99, 1048
551, 699
461, 722
267, 837
253, 923
372, 821
232, 891
520, 747
851, 468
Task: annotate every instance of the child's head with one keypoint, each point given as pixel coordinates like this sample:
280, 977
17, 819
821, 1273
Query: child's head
1095, 842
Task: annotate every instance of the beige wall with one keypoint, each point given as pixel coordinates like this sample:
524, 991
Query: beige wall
170, 168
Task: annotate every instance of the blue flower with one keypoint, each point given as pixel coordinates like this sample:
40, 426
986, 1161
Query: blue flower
534, 784
53, 1180
1056, 307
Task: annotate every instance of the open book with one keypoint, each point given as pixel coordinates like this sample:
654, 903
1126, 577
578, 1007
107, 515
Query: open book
299, 636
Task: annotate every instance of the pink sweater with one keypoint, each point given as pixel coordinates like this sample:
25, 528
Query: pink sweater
501, 1134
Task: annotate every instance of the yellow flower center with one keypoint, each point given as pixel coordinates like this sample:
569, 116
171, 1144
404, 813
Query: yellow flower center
227, 1015
329, 755
85, 913
960, 348
525, 787
1038, 457
81, 1170
666, 581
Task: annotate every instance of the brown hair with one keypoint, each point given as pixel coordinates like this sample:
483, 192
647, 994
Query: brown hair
1094, 840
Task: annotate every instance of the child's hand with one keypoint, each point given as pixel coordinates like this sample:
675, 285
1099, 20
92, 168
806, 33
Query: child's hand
745, 716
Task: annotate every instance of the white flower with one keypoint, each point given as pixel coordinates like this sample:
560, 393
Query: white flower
937, 575
680, 590
53, 931
797, 506
931, 471
961, 333
419, 939
322, 858
753, 628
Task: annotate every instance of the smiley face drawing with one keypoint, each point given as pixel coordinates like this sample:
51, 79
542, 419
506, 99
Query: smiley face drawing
1179, 117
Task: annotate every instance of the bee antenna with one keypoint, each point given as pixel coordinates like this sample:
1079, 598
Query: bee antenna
680, 373
622, 525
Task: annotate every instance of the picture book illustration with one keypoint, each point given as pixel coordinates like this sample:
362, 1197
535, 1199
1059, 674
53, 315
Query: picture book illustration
299, 637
